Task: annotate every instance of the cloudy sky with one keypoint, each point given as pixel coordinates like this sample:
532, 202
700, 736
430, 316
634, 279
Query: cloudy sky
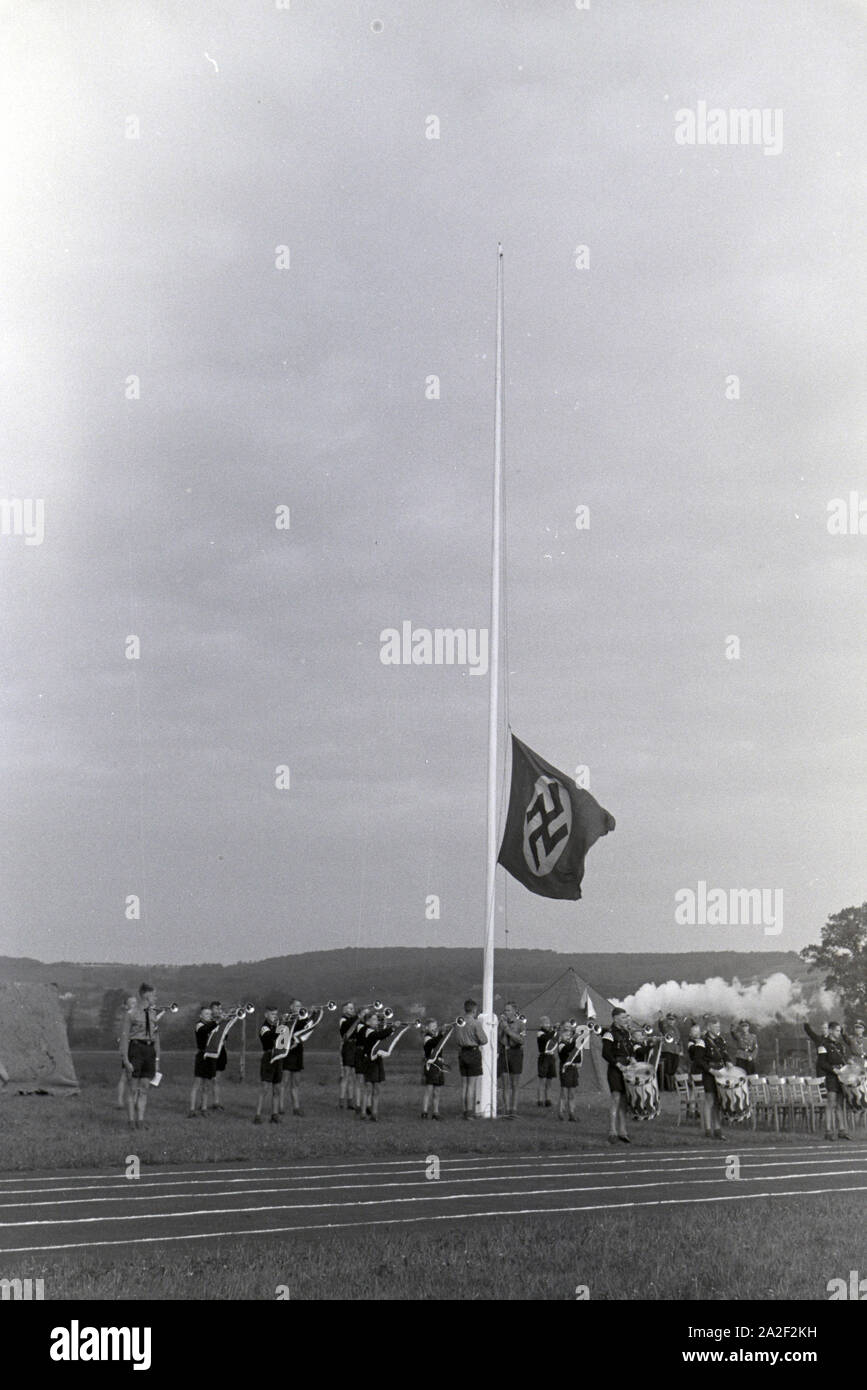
157, 156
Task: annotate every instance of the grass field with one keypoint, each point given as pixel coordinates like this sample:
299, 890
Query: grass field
88, 1131
773, 1251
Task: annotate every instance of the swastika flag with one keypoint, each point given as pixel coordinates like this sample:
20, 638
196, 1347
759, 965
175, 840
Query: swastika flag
550, 826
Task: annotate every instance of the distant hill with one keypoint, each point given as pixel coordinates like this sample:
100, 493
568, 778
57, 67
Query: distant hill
436, 979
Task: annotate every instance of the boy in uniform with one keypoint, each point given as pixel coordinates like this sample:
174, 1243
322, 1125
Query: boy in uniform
348, 1026
222, 1061
470, 1037
546, 1065
140, 1052
270, 1072
569, 1059
204, 1068
510, 1046
433, 1071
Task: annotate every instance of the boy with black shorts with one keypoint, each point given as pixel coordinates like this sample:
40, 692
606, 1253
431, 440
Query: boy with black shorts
222, 1061
270, 1072
348, 1026
204, 1068
470, 1037
140, 1052
546, 1064
510, 1061
433, 1071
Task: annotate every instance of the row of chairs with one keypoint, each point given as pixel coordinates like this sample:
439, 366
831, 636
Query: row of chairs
779, 1101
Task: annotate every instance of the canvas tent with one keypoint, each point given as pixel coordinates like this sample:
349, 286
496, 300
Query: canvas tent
566, 997
34, 1050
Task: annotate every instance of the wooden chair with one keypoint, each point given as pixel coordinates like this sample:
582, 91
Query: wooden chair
776, 1101
796, 1099
759, 1105
817, 1099
687, 1107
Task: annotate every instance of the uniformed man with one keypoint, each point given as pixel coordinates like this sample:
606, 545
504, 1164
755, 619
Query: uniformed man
831, 1055
618, 1049
670, 1051
140, 1052
856, 1041
746, 1047
709, 1053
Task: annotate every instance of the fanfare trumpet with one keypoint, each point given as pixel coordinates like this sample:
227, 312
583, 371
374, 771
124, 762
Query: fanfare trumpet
224, 1022
238, 1012
384, 1047
166, 1009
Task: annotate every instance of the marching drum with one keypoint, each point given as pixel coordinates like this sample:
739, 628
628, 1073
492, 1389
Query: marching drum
642, 1092
733, 1091
853, 1084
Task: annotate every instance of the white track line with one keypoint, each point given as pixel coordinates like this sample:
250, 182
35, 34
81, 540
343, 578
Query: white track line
590, 1155
467, 1163
424, 1220
399, 1201
131, 1191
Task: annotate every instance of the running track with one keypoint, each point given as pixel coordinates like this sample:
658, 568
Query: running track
77, 1211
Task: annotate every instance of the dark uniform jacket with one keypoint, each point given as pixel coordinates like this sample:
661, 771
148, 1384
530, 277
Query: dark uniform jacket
830, 1054
618, 1047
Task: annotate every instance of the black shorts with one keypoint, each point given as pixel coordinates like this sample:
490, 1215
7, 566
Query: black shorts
294, 1060
510, 1061
374, 1071
709, 1083
359, 1061
205, 1067
570, 1076
270, 1071
470, 1061
432, 1076
832, 1084
668, 1061
222, 1060
546, 1066
616, 1084
347, 1054
143, 1056
746, 1065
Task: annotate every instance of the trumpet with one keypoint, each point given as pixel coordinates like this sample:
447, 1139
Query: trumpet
304, 1015
238, 1012
166, 1009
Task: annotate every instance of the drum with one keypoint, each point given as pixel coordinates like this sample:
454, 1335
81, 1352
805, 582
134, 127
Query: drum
642, 1092
733, 1092
853, 1084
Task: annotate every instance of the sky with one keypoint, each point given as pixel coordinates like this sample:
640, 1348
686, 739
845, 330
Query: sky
171, 378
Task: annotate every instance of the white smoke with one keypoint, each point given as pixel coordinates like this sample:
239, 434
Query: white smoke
776, 999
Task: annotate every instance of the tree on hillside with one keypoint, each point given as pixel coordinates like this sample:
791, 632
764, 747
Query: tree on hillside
842, 954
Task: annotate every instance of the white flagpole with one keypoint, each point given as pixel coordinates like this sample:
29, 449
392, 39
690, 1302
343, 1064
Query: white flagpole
488, 1097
